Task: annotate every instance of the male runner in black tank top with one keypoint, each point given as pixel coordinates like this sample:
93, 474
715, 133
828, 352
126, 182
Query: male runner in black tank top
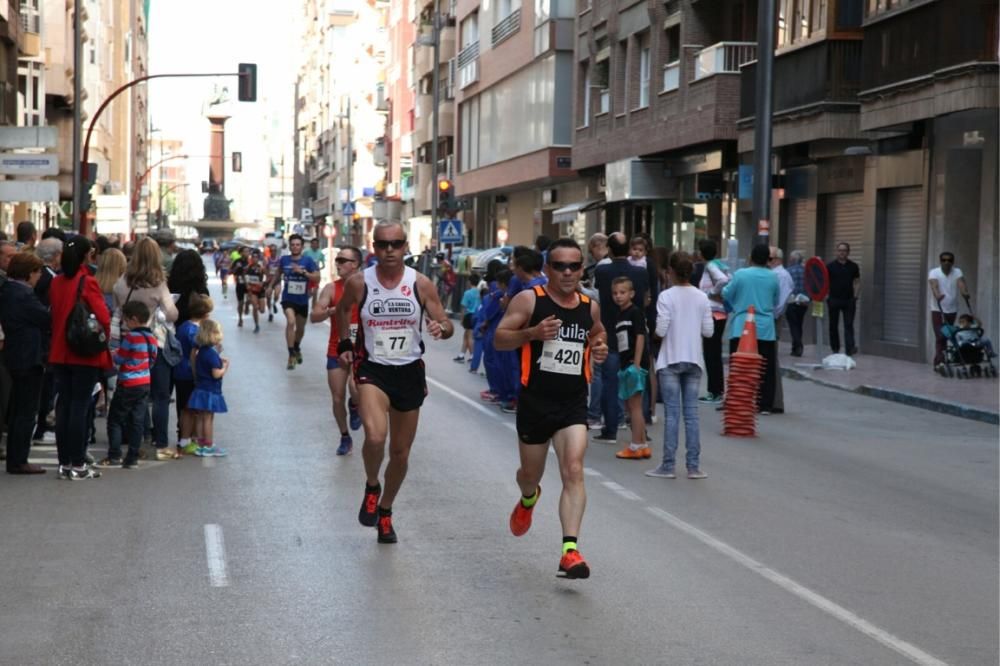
557, 330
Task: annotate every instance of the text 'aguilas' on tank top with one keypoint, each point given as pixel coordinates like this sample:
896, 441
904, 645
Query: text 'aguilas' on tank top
560, 366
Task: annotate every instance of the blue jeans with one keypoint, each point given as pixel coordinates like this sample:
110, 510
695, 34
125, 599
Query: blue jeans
75, 384
609, 394
161, 386
125, 421
679, 382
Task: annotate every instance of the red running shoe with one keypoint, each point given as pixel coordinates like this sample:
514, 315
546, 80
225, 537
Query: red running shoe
486, 396
385, 532
572, 565
369, 505
520, 517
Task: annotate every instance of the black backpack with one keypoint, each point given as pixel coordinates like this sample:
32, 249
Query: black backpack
84, 334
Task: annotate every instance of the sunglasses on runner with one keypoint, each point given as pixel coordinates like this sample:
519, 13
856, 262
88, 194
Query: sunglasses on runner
345, 260
386, 244
562, 266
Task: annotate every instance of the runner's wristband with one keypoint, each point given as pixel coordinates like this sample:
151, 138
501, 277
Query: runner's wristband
345, 346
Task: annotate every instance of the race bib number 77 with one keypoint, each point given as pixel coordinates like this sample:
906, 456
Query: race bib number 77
561, 357
393, 343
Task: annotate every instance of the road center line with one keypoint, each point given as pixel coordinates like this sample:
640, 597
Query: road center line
621, 490
911, 652
215, 553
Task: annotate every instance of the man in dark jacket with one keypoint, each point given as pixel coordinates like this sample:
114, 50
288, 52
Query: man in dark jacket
49, 250
604, 275
25, 322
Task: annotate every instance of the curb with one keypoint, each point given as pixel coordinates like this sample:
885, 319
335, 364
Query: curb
951, 408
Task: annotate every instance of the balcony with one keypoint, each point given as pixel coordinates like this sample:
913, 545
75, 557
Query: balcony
423, 59
381, 103
379, 157
824, 74
917, 43
30, 39
446, 119
467, 62
723, 58
447, 37
506, 27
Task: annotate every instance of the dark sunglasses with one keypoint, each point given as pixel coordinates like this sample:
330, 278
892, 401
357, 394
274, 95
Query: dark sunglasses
562, 266
386, 244
947, 261
345, 260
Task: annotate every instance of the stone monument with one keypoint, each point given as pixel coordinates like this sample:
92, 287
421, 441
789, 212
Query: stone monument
216, 205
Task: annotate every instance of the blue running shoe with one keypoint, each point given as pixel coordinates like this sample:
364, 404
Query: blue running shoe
355, 415
345, 445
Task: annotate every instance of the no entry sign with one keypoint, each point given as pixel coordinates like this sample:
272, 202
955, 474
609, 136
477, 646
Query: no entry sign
816, 279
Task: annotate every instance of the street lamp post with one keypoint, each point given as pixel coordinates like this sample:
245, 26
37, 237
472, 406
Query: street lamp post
764, 102
435, 83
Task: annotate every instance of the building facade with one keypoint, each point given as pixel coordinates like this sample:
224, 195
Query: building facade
513, 80
340, 115
890, 148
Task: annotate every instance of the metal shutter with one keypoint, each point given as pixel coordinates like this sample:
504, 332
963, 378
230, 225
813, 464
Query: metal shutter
798, 234
902, 260
844, 224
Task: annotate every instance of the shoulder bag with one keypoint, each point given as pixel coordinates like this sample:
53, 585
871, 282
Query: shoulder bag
84, 334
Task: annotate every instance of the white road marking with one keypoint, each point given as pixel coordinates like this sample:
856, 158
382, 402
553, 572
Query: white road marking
472, 403
911, 652
621, 490
589, 471
215, 553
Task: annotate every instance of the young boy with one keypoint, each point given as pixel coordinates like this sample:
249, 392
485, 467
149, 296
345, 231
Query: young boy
630, 329
134, 357
470, 303
967, 321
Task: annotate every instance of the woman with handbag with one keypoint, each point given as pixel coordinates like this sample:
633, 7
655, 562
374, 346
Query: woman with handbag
145, 281
80, 328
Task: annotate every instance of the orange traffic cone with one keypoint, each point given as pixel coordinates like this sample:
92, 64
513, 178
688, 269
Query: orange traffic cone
745, 368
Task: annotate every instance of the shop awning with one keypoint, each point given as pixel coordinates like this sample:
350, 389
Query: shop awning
569, 213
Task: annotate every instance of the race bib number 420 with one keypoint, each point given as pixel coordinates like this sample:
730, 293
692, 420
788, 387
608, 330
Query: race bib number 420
393, 343
561, 357
296, 288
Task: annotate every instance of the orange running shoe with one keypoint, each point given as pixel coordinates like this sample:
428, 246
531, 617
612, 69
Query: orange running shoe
520, 517
646, 452
572, 565
631, 454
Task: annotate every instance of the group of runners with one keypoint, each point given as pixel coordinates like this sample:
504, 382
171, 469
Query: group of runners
380, 316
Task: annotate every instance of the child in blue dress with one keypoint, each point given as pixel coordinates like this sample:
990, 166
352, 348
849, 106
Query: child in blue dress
206, 400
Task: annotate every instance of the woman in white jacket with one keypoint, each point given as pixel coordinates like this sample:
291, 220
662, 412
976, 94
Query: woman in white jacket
683, 318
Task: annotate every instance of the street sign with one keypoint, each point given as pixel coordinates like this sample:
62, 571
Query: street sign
348, 208
450, 231
29, 137
816, 279
29, 190
27, 164
306, 215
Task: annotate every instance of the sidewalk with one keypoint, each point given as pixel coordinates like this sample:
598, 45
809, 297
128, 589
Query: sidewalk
901, 381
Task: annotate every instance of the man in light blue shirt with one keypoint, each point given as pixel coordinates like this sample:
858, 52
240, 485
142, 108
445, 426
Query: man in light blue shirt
756, 286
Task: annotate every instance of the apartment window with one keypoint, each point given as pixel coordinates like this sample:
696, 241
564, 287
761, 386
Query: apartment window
600, 76
470, 30
644, 64
31, 94
671, 49
798, 20
586, 100
505, 8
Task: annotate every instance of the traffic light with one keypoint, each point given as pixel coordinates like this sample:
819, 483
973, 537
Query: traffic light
248, 82
446, 195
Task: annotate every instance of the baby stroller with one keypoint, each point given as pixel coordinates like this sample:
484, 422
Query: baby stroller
966, 354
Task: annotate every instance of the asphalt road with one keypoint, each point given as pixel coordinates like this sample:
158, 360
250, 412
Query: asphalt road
852, 531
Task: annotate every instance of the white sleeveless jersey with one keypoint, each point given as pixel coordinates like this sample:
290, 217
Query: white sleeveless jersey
391, 320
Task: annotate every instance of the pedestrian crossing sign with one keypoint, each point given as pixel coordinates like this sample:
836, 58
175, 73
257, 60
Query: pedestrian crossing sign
450, 231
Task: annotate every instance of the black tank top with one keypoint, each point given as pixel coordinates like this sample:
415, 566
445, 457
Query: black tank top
561, 367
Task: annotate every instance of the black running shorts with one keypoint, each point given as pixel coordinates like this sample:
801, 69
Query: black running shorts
405, 385
467, 321
301, 309
541, 417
